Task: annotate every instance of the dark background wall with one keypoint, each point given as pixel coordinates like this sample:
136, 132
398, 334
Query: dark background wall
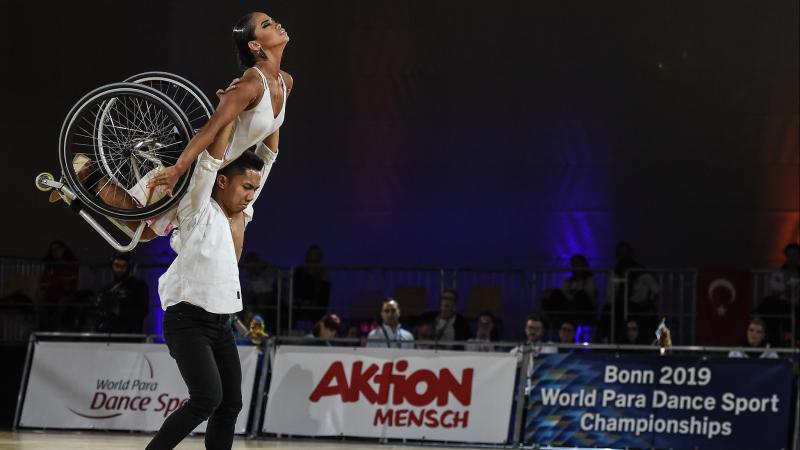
509, 133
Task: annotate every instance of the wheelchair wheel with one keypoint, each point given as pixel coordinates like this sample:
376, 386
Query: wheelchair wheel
112, 138
41, 178
189, 98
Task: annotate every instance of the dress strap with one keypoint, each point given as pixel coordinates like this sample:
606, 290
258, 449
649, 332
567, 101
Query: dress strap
263, 77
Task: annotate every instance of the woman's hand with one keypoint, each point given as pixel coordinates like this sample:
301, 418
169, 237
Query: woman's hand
230, 87
168, 177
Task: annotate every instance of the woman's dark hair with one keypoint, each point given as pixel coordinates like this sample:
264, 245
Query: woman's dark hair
580, 271
312, 249
243, 32
494, 335
452, 292
330, 321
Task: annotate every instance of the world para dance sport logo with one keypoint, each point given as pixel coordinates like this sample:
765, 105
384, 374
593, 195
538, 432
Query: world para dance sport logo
111, 400
420, 389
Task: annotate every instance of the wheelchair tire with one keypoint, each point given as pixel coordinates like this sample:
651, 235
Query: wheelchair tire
189, 98
122, 131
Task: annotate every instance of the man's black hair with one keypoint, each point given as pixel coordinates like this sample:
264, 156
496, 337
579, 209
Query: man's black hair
248, 160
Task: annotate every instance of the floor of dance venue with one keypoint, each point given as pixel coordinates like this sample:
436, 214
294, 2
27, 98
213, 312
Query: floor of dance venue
48, 440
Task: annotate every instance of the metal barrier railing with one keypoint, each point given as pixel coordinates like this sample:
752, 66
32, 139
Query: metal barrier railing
355, 292
662, 292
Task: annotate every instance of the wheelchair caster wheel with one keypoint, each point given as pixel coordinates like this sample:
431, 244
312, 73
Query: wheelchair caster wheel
41, 180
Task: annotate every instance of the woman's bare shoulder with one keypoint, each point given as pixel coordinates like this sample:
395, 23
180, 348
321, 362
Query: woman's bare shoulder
288, 80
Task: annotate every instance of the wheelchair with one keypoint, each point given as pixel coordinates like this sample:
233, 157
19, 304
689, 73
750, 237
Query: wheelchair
112, 138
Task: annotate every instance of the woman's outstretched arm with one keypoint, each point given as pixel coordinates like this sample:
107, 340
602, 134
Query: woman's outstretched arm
231, 104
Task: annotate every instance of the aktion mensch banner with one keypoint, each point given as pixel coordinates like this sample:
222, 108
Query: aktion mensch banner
592, 400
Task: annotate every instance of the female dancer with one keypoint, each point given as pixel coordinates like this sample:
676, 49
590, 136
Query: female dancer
250, 112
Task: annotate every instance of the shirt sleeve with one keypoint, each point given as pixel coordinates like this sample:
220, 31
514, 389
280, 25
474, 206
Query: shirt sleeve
268, 156
372, 340
201, 185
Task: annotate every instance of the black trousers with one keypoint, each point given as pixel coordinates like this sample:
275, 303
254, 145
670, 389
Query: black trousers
203, 346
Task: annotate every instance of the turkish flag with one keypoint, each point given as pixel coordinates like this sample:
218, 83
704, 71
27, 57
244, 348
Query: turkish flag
723, 306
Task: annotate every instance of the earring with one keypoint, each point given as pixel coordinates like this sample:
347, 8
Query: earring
262, 53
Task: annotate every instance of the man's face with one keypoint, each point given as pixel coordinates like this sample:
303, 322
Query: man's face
424, 331
566, 334
238, 191
755, 334
485, 324
633, 331
119, 267
447, 308
534, 330
390, 314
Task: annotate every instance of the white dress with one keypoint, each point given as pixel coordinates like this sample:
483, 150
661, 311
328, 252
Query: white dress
252, 127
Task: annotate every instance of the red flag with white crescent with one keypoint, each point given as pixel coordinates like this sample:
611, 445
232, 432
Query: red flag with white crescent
723, 306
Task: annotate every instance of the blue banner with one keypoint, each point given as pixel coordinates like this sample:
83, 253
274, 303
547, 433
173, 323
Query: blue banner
633, 401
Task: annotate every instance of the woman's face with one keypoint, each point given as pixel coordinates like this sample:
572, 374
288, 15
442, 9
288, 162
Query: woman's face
755, 334
326, 333
269, 32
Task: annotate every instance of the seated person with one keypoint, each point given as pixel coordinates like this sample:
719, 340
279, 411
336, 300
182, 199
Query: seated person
756, 332
390, 334
487, 332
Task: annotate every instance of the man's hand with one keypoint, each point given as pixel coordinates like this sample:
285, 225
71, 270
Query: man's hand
230, 87
166, 177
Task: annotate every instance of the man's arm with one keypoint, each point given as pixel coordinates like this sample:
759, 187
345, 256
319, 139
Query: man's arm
200, 186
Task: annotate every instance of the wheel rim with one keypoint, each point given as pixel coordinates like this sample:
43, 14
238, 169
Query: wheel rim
118, 134
189, 98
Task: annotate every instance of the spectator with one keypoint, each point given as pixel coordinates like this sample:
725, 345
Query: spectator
756, 342
424, 332
534, 332
579, 288
784, 281
354, 333
58, 285
632, 334
312, 287
639, 287
250, 329
642, 287
325, 329
486, 333
390, 333
576, 301
447, 324
260, 286
566, 333
124, 304
784, 290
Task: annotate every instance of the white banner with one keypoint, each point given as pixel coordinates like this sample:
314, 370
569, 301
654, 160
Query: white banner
391, 393
112, 386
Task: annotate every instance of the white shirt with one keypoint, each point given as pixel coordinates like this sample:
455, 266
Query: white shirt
767, 354
206, 272
536, 349
377, 338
